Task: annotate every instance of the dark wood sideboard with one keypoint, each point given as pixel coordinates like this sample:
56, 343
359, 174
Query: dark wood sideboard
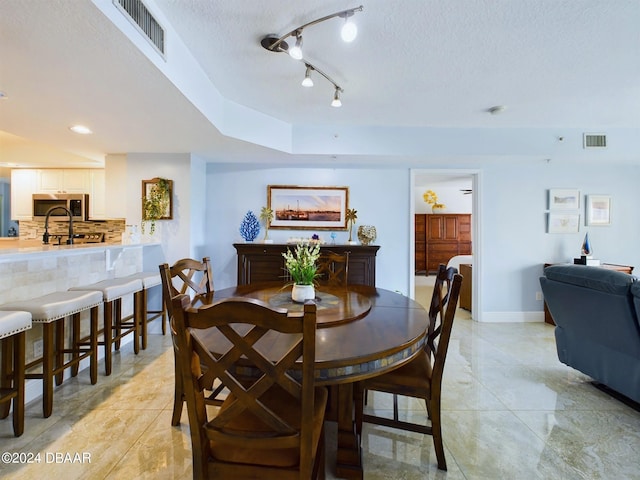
263, 262
611, 266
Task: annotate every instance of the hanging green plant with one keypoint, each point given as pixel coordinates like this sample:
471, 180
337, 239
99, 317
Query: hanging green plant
156, 202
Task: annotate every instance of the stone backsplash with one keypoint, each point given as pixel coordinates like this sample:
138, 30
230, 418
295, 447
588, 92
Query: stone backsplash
112, 229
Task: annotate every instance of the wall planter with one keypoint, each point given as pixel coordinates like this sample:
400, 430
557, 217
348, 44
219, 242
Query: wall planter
157, 202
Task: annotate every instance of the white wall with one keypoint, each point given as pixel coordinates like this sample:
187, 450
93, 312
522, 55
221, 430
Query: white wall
454, 200
513, 199
180, 237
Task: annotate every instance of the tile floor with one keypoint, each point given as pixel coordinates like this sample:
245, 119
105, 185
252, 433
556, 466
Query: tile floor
510, 411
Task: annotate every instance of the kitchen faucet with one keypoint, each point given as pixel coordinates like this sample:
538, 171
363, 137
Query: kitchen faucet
45, 236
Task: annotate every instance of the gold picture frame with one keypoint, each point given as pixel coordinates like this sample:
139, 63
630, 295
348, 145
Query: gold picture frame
308, 208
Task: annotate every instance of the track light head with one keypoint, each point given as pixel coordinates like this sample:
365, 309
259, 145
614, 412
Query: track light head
308, 81
349, 30
336, 98
296, 51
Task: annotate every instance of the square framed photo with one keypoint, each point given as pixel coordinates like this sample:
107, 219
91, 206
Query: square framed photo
564, 199
598, 210
563, 223
308, 208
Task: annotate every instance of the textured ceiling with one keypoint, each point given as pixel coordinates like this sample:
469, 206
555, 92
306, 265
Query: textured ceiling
415, 64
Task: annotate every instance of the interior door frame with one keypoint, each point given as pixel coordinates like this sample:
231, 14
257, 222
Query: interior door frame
476, 216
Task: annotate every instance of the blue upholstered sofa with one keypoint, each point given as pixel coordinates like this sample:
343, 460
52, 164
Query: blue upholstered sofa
597, 328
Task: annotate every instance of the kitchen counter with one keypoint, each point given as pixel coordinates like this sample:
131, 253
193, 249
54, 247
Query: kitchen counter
35, 248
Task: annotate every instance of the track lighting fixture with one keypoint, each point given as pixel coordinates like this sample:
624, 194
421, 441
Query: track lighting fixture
349, 30
296, 51
336, 98
348, 33
307, 82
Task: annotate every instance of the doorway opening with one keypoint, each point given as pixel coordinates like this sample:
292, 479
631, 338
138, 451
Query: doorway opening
458, 225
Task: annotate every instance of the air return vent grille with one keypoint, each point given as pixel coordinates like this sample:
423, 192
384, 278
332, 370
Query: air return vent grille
136, 11
595, 140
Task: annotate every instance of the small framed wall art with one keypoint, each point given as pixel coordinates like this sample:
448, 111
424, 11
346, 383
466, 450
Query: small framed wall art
598, 210
564, 199
563, 222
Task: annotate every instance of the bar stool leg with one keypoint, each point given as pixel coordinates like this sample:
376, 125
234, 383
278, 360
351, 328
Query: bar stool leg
118, 319
5, 373
108, 336
138, 321
19, 352
93, 345
75, 340
142, 315
59, 356
47, 368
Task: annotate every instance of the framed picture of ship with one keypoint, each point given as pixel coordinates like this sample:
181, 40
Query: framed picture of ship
308, 208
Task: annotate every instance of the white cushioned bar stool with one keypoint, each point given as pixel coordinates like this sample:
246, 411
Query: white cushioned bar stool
51, 311
13, 327
115, 326
149, 280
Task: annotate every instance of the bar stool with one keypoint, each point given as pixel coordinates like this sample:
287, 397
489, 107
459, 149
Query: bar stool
149, 280
51, 310
115, 326
13, 327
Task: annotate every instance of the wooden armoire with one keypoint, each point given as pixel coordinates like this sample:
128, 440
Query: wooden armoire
440, 237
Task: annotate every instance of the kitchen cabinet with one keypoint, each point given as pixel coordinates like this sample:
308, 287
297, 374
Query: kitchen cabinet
61, 180
97, 195
23, 186
27, 181
438, 237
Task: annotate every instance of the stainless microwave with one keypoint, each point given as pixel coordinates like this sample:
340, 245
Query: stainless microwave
76, 203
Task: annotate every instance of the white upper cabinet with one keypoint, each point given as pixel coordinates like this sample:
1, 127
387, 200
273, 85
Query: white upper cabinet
23, 186
97, 197
26, 181
55, 180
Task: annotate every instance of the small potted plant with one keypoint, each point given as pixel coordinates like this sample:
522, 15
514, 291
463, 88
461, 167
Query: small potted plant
351, 217
302, 267
266, 215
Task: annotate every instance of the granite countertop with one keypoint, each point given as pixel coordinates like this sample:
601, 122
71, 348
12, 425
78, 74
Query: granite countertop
19, 249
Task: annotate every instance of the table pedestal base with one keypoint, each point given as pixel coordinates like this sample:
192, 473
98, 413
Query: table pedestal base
349, 456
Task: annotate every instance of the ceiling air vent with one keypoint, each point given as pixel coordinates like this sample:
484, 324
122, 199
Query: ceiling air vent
595, 140
138, 13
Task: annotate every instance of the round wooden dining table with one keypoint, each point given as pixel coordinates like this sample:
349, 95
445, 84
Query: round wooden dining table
361, 332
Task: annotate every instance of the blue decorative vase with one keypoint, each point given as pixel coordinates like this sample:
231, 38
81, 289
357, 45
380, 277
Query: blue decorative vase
586, 245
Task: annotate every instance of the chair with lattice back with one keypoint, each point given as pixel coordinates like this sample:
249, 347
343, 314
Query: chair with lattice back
193, 278
333, 269
421, 377
270, 426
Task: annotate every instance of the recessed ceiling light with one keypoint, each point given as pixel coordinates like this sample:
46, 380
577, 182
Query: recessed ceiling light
3, 96
81, 129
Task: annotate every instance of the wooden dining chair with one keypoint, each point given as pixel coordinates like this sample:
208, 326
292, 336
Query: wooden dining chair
333, 269
271, 425
190, 277
421, 377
